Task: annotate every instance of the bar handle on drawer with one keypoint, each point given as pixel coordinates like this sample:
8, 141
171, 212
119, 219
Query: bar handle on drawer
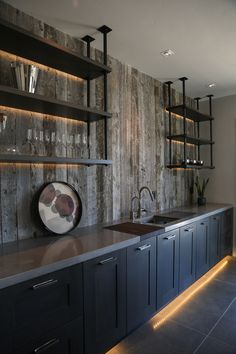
44, 284
46, 345
169, 237
108, 260
144, 247
189, 230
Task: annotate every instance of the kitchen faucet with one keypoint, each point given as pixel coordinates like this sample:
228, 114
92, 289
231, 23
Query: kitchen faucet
139, 197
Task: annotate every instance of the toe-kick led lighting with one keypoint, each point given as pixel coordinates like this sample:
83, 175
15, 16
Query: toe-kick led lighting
177, 303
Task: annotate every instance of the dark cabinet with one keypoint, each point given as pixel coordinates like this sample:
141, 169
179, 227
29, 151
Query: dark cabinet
226, 233
141, 282
202, 260
167, 267
187, 256
104, 301
65, 340
46, 303
33, 309
214, 239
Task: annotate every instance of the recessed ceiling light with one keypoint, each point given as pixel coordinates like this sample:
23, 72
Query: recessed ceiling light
211, 85
167, 53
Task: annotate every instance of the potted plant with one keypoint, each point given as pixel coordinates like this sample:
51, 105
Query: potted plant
201, 186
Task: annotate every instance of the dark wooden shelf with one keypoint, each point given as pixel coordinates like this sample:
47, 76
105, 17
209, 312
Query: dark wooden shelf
190, 167
51, 160
18, 41
15, 98
190, 139
191, 113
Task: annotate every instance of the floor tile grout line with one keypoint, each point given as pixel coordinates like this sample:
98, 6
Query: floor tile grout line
214, 326
226, 282
188, 327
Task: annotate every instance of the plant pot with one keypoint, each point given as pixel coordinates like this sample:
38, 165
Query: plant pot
201, 200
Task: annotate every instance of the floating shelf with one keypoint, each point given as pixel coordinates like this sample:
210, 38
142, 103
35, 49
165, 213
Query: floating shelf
190, 139
51, 160
191, 113
190, 167
18, 41
15, 98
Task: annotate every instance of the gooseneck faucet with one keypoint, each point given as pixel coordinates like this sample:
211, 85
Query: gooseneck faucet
140, 195
132, 204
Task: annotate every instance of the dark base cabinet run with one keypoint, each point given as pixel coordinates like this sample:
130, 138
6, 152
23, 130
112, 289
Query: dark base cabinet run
187, 256
167, 267
141, 282
104, 301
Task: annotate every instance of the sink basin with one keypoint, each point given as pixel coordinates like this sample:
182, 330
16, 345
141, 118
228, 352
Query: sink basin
167, 218
160, 220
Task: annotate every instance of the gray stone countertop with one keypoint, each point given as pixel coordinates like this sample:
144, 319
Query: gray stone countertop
27, 259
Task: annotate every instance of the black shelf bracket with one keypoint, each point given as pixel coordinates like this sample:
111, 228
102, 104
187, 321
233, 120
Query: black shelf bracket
105, 30
211, 134
169, 83
184, 79
88, 39
197, 99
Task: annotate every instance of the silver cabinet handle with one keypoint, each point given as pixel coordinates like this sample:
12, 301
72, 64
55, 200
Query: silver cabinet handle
169, 237
46, 345
44, 284
144, 247
107, 260
189, 230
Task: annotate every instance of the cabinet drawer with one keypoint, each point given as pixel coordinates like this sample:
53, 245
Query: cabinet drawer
67, 339
45, 303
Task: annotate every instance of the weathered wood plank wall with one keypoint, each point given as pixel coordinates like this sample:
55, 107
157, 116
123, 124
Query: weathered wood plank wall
137, 143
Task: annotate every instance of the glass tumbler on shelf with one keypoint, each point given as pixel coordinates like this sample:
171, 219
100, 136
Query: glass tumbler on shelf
77, 150
53, 143
28, 148
47, 139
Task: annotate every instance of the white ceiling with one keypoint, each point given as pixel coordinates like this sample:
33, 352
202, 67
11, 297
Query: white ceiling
200, 32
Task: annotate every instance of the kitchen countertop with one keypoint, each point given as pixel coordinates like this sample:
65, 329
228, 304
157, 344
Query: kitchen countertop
27, 259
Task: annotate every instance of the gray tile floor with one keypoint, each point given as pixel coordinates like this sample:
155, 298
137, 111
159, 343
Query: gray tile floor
206, 324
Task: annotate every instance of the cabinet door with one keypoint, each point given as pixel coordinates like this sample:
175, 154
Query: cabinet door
202, 260
141, 282
187, 256
6, 322
105, 301
64, 340
167, 267
45, 303
215, 227
226, 233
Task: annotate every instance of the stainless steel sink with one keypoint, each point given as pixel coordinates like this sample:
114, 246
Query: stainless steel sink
160, 220
165, 219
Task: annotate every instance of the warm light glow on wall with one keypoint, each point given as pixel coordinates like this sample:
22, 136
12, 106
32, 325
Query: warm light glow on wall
177, 303
39, 165
181, 142
12, 57
41, 116
177, 116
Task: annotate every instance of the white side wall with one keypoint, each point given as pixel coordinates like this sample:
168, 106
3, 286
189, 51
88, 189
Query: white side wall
222, 183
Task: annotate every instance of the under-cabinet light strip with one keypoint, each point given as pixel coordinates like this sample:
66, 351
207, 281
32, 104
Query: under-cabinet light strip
12, 57
42, 116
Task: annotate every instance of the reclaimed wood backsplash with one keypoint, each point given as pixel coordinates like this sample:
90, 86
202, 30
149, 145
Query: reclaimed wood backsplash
137, 143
